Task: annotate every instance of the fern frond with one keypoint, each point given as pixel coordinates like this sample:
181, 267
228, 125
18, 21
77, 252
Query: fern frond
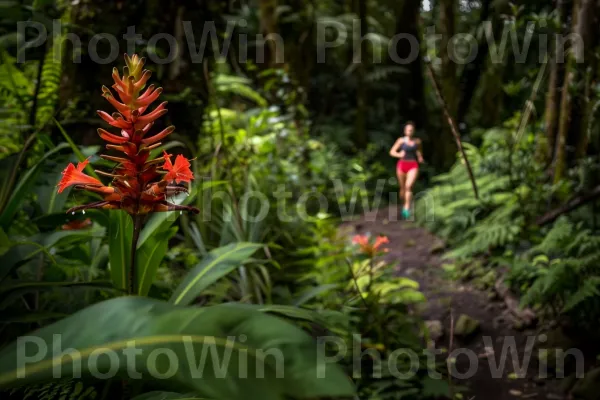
589, 289
229, 84
48, 95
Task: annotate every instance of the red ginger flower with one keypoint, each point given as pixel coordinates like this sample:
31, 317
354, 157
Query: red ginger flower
139, 185
369, 248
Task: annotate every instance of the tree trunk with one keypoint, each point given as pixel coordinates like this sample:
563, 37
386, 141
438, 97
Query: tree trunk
411, 102
566, 105
587, 21
360, 131
545, 151
446, 149
175, 66
473, 71
270, 31
587, 110
449, 83
545, 148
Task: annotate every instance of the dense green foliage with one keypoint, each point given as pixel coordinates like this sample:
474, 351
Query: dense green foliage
553, 267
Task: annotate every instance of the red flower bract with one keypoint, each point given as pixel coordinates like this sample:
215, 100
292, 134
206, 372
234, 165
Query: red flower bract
140, 184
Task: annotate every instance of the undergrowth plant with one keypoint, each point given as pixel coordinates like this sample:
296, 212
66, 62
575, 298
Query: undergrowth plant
560, 275
553, 269
377, 306
506, 175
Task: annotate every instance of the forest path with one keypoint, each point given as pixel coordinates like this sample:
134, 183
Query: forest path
411, 248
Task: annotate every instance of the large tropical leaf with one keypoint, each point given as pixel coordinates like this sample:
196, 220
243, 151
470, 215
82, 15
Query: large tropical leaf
219, 352
215, 265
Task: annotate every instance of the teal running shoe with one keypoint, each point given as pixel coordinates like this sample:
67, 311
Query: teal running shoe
405, 213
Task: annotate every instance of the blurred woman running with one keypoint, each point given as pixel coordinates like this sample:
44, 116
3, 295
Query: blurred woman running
409, 152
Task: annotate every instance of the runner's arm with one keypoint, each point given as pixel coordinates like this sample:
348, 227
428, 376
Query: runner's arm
394, 151
420, 151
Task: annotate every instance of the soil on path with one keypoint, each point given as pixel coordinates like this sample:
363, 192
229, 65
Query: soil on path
411, 248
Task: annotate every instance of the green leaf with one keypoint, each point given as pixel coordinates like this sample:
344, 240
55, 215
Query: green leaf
297, 313
219, 352
21, 252
5, 243
148, 259
216, 265
30, 317
24, 187
312, 293
80, 156
435, 388
119, 244
100, 259
240, 86
10, 291
46, 193
588, 290
162, 220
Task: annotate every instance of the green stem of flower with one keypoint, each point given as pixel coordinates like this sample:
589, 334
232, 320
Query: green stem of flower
137, 227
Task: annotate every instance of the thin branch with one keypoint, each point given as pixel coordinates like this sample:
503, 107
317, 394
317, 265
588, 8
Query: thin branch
569, 206
529, 106
452, 125
450, 349
38, 87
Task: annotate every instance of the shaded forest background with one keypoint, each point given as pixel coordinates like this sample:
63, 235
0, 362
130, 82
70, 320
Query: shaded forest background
351, 99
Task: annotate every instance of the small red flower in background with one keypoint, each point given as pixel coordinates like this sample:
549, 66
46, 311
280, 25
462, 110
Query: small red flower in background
139, 184
77, 224
368, 248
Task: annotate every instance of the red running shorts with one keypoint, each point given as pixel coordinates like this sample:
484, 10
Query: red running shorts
405, 166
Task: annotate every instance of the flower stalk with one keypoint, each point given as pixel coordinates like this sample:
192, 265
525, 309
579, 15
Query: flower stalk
137, 228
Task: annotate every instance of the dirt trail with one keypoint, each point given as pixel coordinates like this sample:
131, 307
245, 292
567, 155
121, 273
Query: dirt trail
410, 246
